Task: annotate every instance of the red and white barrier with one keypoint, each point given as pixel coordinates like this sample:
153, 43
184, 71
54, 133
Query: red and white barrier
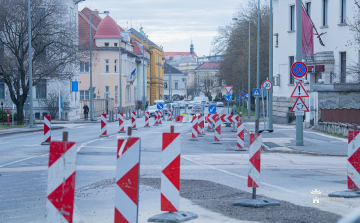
155, 118
353, 165
170, 175
240, 136
229, 118
194, 132
202, 125
254, 160
133, 120
179, 118
47, 130
159, 119
61, 182
147, 123
121, 123
103, 126
169, 116
198, 119
211, 123
217, 132
127, 180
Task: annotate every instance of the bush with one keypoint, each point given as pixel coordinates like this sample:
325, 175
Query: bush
210, 98
181, 97
3, 116
217, 98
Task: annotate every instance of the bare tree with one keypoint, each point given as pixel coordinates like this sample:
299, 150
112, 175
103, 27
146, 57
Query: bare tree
54, 46
209, 84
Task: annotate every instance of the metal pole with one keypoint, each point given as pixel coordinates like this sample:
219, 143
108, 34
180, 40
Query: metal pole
159, 74
269, 99
31, 123
242, 100
120, 87
144, 79
91, 87
169, 84
198, 85
299, 119
249, 90
263, 104
257, 107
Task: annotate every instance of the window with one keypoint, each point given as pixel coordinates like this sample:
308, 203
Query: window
106, 66
41, 90
292, 17
291, 62
115, 44
84, 67
84, 95
2, 89
116, 94
116, 66
107, 44
165, 85
308, 8
176, 85
107, 92
325, 12
343, 67
343, 11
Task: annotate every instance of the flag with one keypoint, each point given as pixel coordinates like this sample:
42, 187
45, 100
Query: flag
307, 37
133, 74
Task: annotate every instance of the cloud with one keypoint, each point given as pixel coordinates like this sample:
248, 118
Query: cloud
168, 22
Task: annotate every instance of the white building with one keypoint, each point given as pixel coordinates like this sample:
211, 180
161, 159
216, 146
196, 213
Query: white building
174, 81
329, 68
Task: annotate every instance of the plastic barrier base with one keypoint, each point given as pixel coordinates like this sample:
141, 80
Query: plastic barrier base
256, 203
180, 216
179, 118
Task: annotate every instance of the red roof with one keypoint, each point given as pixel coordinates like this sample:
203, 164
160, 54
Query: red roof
107, 28
95, 19
209, 65
84, 32
172, 54
136, 48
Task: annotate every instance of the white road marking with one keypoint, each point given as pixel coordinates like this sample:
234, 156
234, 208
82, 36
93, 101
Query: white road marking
22, 160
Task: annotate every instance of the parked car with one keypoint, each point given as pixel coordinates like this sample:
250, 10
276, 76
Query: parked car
219, 104
191, 104
212, 103
151, 110
207, 104
197, 109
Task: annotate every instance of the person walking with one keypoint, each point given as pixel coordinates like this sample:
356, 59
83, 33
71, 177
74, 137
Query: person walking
86, 111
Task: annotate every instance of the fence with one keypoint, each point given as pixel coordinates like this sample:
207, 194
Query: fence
341, 115
101, 106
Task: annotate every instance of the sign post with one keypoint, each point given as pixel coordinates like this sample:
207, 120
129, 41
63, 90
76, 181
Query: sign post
228, 98
267, 85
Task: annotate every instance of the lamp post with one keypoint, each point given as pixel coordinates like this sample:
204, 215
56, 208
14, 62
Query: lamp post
159, 64
257, 107
249, 90
144, 78
270, 99
91, 88
299, 119
31, 122
120, 88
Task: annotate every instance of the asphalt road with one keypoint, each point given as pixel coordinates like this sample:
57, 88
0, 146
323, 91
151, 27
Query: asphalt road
212, 177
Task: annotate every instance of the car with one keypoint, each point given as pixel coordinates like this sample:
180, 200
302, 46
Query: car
207, 104
197, 109
212, 103
151, 110
191, 104
219, 104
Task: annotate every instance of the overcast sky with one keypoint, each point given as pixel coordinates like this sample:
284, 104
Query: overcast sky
171, 23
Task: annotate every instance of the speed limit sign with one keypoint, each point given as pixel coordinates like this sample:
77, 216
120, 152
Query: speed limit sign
267, 85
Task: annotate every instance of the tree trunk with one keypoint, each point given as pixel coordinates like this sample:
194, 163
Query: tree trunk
20, 115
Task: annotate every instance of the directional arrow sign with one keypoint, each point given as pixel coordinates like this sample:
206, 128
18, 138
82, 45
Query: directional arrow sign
228, 88
299, 106
212, 109
299, 91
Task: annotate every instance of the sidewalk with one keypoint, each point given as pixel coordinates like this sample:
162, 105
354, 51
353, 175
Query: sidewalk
283, 139
26, 129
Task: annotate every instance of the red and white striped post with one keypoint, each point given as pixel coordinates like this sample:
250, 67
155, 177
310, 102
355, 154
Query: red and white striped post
133, 120
254, 160
199, 126
103, 126
156, 119
127, 180
202, 124
47, 130
170, 177
194, 132
8, 117
121, 123
159, 117
147, 115
240, 137
169, 115
217, 132
61, 182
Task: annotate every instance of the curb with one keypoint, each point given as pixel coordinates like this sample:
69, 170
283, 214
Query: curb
292, 151
29, 131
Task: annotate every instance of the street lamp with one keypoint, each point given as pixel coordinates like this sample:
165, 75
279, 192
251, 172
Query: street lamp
144, 75
91, 88
249, 90
30, 69
159, 64
120, 95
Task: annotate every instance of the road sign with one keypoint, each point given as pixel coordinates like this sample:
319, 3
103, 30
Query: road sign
299, 113
228, 88
228, 97
246, 96
160, 106
267, 85
299, 106
299, 91
256, 92
242, 94
212, 109
299, 69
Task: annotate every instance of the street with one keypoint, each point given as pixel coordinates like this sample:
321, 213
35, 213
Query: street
213, 176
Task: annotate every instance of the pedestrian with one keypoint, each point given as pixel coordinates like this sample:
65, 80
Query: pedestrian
146, 105
86, 112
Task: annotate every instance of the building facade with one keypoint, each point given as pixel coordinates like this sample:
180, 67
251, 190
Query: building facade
174, 82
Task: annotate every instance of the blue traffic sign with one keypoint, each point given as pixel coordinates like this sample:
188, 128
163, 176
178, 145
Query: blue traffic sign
212, 109
299, 69
238, 96
242, 94
160, 106
256, 92
228, 97
246, 96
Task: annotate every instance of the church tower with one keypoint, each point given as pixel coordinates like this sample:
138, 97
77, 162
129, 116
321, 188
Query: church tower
191, 48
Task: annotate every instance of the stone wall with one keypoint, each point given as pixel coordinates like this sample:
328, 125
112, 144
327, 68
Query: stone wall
281, 107
334, 127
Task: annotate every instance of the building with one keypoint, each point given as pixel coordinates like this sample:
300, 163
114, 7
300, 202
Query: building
105, 59
174, 82
155, 72
329, 81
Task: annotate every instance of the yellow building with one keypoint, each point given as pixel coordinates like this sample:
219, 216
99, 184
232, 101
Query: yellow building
155, 72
